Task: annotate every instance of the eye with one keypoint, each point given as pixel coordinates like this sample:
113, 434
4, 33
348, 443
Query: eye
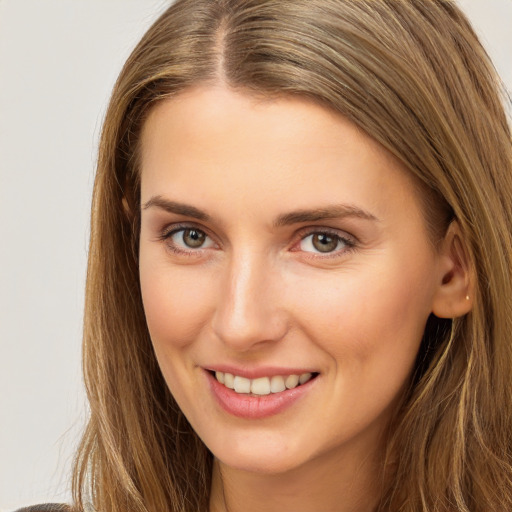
324, 242
186, 239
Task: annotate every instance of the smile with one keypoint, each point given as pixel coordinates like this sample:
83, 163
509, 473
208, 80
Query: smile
261, 396
262, 385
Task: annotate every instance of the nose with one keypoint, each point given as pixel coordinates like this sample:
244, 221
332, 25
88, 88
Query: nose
250, 312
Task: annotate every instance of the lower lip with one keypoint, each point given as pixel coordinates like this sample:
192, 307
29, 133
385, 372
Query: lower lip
256, 407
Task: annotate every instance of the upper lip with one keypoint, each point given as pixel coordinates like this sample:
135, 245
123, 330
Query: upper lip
260, 371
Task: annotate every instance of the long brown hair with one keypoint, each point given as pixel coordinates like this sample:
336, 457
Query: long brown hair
413, 75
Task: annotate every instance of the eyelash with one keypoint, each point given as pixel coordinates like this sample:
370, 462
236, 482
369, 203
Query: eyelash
349, 242
168, 233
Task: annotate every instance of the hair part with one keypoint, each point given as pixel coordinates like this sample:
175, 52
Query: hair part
411, 74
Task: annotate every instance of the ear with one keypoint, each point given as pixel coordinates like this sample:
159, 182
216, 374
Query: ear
455, 291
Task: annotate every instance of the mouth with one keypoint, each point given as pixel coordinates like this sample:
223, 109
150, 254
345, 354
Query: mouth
262, 386
263, 395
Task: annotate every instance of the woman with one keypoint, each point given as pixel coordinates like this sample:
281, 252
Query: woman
299, 286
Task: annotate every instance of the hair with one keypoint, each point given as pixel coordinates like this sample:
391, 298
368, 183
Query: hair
411, 74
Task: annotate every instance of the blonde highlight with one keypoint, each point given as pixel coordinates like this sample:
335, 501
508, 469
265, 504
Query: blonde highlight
413, 75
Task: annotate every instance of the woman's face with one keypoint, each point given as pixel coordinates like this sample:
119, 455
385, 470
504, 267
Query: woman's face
280, 242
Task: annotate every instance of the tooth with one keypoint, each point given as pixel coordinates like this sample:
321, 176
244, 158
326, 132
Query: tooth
304, 378
229, 380
260, 386
242, 385
220, 377
291, 381
277, 384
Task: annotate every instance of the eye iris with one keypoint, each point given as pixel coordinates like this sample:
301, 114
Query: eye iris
193, 238
324, 243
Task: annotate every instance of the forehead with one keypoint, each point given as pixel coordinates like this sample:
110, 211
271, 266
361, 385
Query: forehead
221, 145
211, 113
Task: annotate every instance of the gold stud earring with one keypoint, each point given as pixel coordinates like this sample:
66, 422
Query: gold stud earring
467, 297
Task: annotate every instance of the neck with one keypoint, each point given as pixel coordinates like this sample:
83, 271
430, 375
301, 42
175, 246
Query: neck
329, 484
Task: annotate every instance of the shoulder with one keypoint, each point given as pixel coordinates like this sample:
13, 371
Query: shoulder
47, 507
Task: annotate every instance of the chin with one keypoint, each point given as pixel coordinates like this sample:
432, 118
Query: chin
264, 456
259, 464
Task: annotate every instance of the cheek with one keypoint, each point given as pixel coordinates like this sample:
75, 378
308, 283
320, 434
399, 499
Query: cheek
175, 303
372, 319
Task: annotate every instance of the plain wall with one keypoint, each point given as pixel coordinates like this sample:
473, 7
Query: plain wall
58, 63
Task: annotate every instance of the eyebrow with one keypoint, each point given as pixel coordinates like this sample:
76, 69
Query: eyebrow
177, 208
317, 214
286, 219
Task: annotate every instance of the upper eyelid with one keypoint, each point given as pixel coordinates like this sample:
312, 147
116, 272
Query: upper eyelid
167, 233
299, 234
351, 242
341, 233
180, 226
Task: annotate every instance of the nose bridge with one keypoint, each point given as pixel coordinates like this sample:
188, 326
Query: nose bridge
248, 309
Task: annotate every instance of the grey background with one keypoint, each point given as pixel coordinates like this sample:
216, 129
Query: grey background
58, 63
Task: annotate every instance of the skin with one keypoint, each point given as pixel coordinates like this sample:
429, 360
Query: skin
258, 292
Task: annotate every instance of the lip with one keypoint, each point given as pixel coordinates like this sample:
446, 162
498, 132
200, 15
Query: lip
261, 371
256, 407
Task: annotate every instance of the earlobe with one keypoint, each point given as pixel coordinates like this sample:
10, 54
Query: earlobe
454, 294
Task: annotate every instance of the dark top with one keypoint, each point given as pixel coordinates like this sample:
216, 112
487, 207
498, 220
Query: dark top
47, 507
